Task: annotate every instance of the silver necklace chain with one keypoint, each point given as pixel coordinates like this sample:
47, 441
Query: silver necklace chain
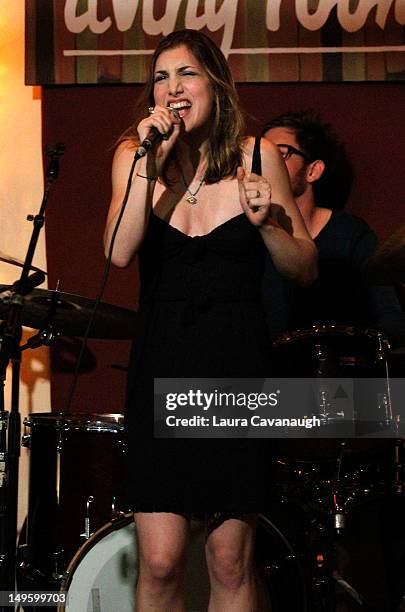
191, 199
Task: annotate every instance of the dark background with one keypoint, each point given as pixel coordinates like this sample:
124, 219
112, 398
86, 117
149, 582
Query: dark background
368, 117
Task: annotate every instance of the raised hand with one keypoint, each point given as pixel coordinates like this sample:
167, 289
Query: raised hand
168, 123
254, 196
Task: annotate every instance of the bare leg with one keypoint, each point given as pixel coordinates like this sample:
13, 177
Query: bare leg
162, 541
229, 553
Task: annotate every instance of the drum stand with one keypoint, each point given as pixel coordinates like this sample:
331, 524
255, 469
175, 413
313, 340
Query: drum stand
10, 351
324, 576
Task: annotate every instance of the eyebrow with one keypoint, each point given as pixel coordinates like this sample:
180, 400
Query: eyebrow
179, 69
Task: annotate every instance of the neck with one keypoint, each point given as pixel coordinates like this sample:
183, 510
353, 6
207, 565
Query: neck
307, 207
315, 217
191, 160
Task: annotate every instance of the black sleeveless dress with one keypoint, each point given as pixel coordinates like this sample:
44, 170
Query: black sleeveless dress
200, 315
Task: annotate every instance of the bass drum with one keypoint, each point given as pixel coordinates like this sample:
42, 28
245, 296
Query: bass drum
102, 576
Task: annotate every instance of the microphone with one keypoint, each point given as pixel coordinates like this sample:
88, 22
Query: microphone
153, 137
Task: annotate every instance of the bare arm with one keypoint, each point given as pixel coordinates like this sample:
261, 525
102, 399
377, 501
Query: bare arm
139, 205
135, 219
279, 221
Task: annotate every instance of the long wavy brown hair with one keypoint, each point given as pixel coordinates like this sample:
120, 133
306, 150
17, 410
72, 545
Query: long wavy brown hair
227, 124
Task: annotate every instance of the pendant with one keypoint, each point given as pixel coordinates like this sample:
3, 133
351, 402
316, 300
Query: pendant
191, 199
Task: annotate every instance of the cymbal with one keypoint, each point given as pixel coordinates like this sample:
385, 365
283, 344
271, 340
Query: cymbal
17, 262
72, 314
387, 265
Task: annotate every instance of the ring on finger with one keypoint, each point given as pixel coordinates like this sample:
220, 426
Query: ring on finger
151, 110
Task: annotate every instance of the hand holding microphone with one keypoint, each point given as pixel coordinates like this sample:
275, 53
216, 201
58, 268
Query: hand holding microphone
160, 126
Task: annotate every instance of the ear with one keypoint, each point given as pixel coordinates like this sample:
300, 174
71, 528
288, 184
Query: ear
315, 170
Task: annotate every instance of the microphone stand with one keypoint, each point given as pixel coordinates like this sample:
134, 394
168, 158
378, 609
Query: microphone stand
10, 352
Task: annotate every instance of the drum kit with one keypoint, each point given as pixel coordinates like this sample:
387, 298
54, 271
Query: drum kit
66, 467
79, 538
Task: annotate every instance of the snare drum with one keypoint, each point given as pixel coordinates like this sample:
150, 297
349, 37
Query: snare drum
76, 484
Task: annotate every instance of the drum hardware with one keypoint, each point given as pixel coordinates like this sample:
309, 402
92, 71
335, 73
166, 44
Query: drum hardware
324, 405
116, 513
59, 564
339, 516
385, 398
321, 357
399, 483
327, 523
87, 532
327, 412
330, 500
3, 447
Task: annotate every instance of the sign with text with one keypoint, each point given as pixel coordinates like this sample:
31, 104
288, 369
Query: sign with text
110, 41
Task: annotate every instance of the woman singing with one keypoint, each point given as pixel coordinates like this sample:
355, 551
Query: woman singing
205, 205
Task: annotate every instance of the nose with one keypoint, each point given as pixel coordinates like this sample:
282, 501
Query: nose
175, 85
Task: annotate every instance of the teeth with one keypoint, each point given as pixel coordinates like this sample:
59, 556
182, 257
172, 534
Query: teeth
178, 105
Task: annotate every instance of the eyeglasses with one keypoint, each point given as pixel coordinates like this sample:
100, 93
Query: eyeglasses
288, 150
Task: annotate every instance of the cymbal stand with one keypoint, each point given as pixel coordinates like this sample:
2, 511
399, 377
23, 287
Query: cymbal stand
10, 353
49, 333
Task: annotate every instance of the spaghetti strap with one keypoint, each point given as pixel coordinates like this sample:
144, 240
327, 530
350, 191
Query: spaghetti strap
256, 159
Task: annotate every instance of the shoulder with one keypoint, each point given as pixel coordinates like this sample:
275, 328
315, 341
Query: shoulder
351, 223
122, 162
267, 148
350, 233
124, 155
124, 149
269, 153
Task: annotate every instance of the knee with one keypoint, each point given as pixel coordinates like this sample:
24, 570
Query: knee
228, 567
160, 567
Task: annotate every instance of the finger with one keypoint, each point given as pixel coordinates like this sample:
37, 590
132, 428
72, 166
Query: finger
159, 122
175, 115
259, 191
253, 194
240, 173
171, 114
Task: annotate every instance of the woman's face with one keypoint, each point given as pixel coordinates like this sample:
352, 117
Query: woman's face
181, 82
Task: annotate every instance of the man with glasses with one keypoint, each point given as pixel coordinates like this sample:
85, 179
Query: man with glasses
321, 176
321, 180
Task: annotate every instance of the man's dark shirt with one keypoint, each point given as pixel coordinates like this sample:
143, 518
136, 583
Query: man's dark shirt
341, 294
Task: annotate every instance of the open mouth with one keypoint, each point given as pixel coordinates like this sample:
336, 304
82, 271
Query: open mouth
182, 106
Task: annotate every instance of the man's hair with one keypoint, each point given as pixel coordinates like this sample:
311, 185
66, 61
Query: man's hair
318, 141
